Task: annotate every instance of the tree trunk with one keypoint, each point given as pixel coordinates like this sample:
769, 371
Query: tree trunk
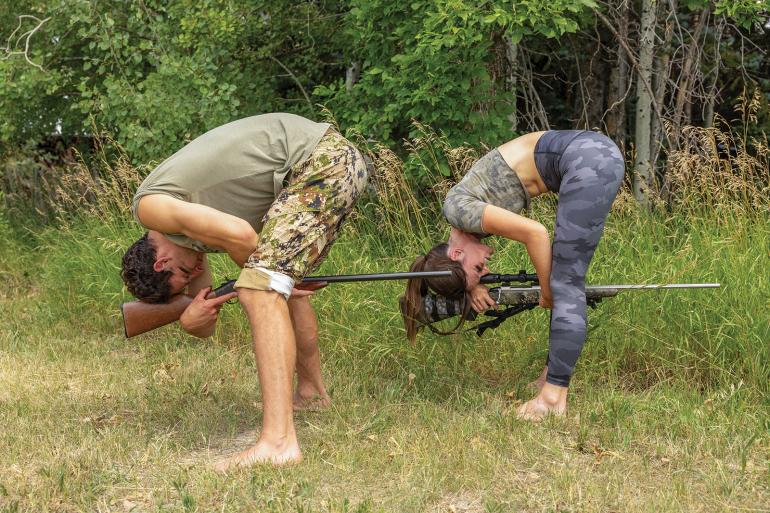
683, 89
616, 117
352, 74
643, 175
511, 55
661, 81
708, 117
596, 72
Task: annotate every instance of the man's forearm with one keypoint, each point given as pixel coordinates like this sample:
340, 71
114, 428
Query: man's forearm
203, 330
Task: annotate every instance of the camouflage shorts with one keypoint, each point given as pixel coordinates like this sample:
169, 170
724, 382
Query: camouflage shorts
305, 218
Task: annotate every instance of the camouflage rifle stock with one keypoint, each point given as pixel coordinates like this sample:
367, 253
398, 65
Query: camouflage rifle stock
520, 298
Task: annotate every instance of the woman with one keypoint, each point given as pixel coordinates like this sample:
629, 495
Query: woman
585, 169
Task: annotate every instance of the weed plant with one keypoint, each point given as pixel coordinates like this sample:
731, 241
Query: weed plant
669, 406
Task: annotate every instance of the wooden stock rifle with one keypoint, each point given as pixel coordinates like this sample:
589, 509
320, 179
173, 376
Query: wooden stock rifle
140, 317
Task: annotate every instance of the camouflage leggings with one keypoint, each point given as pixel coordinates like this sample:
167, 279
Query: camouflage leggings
592, 169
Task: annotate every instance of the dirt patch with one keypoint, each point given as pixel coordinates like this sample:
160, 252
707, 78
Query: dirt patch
463, 502
220, 448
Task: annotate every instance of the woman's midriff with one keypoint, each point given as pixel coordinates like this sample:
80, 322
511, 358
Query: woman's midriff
519, 154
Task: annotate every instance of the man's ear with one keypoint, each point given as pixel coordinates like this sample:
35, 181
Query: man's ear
160, 264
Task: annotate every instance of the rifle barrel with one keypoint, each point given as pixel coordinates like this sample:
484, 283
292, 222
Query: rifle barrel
625, 287
229, 286
342, 278
666, 286
527, 295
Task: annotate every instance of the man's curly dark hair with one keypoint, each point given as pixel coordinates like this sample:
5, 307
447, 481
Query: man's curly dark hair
144, 282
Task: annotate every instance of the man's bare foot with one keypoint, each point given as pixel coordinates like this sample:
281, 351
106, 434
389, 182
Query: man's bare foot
313, 402
552, 400
537, 384
261, 454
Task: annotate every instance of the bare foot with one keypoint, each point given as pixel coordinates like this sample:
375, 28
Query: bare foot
311, 403
537, 384
552, 400
261, 453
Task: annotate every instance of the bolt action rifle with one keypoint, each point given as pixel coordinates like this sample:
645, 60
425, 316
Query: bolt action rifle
140, 317
517, 299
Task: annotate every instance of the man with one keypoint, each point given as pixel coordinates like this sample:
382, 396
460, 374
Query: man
271, 191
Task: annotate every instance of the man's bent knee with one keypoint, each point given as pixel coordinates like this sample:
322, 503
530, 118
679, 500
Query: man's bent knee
259, 278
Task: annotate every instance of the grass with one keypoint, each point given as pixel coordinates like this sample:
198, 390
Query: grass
669, 408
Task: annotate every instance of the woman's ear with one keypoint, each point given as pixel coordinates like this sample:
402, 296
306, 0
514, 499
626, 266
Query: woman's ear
456, 254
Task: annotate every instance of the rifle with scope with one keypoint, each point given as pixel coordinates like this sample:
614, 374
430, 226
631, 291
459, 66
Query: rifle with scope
522, 297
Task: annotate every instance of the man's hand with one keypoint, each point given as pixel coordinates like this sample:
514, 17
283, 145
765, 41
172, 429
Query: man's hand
201, 315
480, 299
306, 289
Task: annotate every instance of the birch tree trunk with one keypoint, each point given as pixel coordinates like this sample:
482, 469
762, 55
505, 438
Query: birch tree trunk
511, 55
643, 173
352, 74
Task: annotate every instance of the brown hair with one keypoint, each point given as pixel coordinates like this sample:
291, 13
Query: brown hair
437, 259
142, 281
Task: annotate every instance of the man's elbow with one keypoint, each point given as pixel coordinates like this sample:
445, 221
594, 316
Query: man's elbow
245, 237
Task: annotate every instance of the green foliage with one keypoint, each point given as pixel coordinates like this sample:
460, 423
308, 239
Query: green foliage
157, 74
745, 12
437, 62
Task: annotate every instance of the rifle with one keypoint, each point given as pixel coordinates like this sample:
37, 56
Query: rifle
140, 317
519, 299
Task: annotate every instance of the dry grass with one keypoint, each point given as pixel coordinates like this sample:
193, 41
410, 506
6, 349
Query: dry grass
669, 409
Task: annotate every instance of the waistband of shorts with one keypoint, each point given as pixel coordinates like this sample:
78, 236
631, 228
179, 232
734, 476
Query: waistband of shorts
334, 135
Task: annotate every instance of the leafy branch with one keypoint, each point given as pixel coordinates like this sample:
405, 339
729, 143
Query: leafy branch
26, 36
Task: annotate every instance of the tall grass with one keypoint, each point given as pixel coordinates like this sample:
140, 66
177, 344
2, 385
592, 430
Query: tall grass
715, 230
670, 410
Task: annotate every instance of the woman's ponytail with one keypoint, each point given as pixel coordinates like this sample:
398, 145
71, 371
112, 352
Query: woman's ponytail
411, 301
437, 259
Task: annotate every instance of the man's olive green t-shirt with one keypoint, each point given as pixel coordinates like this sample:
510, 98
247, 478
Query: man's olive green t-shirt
238, 168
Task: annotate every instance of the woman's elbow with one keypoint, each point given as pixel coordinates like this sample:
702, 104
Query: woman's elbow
537, 234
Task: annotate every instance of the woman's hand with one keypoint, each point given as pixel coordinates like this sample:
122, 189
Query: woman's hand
480, 298
546, 301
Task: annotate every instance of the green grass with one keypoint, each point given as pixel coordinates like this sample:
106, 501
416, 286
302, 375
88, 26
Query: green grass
669, 408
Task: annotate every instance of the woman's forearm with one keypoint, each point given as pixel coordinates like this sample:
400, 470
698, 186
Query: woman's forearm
534, 236
539, 250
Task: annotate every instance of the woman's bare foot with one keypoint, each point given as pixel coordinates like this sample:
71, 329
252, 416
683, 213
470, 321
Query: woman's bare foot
551, 400
537, 384
261, 453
